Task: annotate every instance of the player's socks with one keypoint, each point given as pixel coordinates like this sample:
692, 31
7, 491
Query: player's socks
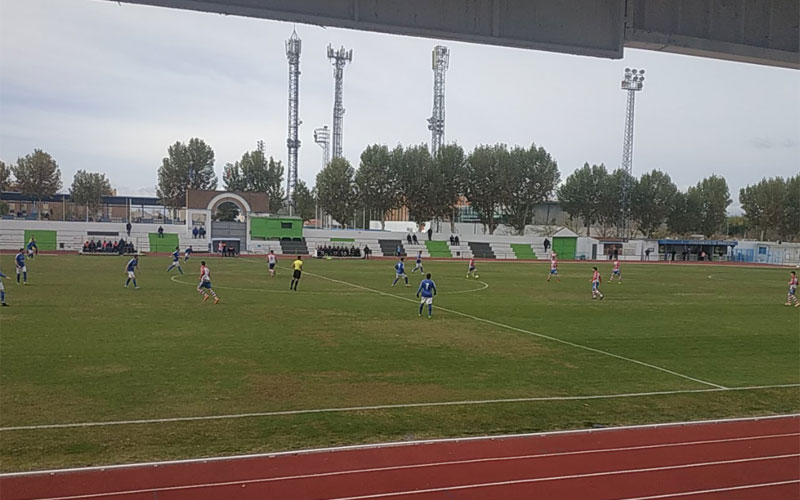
128, 282
430, 310
25, 277
179, 269
2, 297
395, 281
423, 305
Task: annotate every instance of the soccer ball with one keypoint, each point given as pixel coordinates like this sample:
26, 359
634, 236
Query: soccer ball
476, 276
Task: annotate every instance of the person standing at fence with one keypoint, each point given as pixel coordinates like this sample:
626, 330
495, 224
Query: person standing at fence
128, 228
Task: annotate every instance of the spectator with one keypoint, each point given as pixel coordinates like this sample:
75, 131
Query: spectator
452, 240
458, 243
546, 245
202, 231
366, 251
430, 234
408, 238
128, 228
195, 232
399, 250
160, 232
647, 254
414, 239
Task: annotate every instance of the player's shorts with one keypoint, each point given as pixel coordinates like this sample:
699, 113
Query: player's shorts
272, 265
471, 268
30, 251
1, 286
131, 275
792, 289
554, 271
615, 272
595, 285
426, 300
23, 269
297, 273
204, 284
399, 275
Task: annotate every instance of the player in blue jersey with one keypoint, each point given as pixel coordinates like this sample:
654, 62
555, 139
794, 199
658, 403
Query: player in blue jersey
400, 272
130, 268
418, 264
427, 288
33, 248
176, 260
22, 269
187, 253
2, 290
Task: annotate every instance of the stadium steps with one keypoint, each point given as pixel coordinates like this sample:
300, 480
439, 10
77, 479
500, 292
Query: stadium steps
291, 247
523, 251
461, 251
438, 249
389, 247
413, 249
481, 250
503, 251
166, 244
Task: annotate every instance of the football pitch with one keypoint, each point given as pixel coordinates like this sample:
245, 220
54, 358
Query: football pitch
93, 373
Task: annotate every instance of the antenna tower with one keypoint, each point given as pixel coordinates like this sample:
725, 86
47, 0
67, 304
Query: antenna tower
339, 58
293, 47
322, 136
632, 82
440, 63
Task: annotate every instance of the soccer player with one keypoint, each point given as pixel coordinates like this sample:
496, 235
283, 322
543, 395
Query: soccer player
272, 260
596, 285
205, 283
553, 267
2, 290
418, 264
615, 272
130, 268
32, 247
428, 289
471, 269
176, 260
791, 297
400, 272
297, 265
22, 269
187, 253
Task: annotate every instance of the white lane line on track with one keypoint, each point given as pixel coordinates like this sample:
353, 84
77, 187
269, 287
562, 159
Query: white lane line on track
386, 407
243, 483
714, 490
528, 332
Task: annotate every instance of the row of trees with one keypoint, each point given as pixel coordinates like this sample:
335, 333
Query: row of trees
772, 207
594, 195
495, 179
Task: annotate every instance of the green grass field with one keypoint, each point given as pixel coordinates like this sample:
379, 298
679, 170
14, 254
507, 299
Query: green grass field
75, 346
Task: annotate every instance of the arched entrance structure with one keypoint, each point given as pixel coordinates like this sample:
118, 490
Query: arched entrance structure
201, 206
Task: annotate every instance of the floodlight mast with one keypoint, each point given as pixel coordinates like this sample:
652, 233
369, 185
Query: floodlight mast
293, 48
322, 136
339, 58
440, 63
632, 82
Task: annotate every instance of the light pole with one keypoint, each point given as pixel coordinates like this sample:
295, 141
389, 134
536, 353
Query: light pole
632, 82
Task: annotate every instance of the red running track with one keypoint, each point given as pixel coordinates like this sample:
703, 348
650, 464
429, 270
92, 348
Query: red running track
733, 459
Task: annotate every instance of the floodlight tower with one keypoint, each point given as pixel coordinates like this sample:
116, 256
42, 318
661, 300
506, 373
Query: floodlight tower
339, 58
322, 136
440, 63
632, 82
293, 47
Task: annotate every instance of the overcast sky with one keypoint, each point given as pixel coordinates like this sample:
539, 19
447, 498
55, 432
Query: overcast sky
108, 87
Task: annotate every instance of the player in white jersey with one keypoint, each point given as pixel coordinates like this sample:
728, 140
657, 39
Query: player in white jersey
205, 283
272, 261
791, 295
553, 267
615, 272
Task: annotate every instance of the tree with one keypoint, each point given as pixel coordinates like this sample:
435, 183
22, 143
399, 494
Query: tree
5, 177
791, 225
714, 200
305, 202
447, 178
187, 166
579, 193
531, 177
38, 175
764, 205
257, 174
486, 189
611, 209
413, 169
652, 201
226, 212
377, 181
336, 190
88, 189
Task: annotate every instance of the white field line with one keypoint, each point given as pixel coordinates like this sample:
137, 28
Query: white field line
528, 332
715, 490
243, 483
395, 444
387, 407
